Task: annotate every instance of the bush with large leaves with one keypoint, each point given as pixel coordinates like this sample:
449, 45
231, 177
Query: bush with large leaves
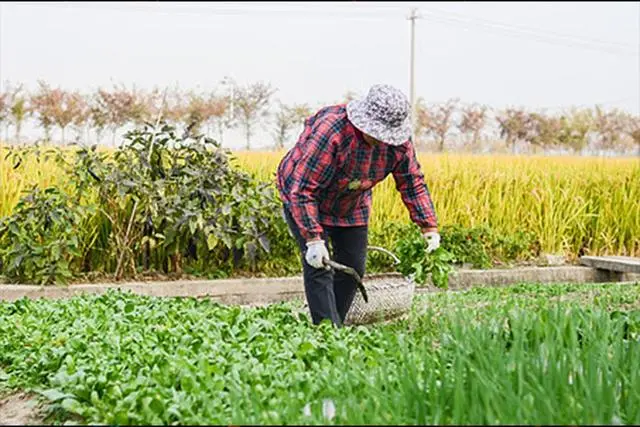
38, 241
171, 203
176, 197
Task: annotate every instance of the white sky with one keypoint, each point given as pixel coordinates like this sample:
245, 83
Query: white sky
531, 54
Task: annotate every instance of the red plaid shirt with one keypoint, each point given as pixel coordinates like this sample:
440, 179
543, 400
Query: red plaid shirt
327, 177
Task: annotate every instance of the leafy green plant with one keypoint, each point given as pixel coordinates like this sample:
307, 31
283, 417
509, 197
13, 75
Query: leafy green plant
177, 200
169, 202
514, 247
480, 246
483, 246
416, 263
38, 242
482, 356
469, 245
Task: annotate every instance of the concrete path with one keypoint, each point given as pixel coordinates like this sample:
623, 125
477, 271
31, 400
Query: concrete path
265, 291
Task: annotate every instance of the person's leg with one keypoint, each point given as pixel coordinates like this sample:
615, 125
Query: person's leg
350, 249
318, 282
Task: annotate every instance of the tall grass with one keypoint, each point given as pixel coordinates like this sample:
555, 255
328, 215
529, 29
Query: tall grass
572, 204
13, 181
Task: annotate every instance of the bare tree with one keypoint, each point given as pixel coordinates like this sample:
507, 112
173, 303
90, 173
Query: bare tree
610, 128
118, 107
175, 107
109, 107
544, 131
287, 117
5, 102
437, 120
138, 111
474, 118
19, 109
13, 108
43, 103
196, 111
220, 114
67, 109
82, 119
636, 135
575, 128
98, 116
422, 122
632, 129
514, 126
250, 104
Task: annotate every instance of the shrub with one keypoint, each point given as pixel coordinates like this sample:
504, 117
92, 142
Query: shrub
38, 242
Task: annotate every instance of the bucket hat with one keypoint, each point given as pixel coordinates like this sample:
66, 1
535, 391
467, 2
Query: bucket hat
384, 113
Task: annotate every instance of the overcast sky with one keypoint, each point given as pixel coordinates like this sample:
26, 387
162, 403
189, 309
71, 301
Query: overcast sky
537, 55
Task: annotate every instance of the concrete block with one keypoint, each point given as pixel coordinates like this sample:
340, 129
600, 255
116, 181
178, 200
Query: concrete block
622, 264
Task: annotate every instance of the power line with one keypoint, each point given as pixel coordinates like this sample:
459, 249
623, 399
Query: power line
618, 52
306, 11
452, 19
526, 29
209, 12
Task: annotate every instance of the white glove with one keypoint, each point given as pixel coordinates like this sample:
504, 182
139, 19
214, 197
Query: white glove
316, 253
433, 240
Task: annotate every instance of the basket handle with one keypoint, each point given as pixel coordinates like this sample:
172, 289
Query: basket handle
351, 272
385, 251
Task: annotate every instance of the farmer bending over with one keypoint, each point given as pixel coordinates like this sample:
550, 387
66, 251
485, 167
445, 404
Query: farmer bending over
325, 182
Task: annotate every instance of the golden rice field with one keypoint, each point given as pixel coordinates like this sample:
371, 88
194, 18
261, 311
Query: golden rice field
568, 202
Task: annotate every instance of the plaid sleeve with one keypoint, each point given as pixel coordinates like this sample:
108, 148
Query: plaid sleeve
414, 191
312, 172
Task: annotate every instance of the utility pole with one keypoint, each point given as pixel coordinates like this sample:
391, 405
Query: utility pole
412, 87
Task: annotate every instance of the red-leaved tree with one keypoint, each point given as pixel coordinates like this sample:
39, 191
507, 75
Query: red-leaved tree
436, 120
609, 127
515, 126
118, 107
472, 122
43, 103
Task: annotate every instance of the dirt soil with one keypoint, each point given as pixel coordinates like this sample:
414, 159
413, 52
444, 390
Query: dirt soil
20, 409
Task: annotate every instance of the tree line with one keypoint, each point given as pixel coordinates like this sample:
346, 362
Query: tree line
445, 126
575, 130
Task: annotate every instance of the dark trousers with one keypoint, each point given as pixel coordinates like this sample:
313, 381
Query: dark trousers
330, 294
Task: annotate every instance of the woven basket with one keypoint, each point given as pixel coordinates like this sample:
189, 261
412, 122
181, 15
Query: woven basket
390, 298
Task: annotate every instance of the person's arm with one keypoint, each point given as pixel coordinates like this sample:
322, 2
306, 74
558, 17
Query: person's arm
414, 191
313, 172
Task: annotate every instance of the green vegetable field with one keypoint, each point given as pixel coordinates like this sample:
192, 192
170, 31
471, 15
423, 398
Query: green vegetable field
180, 210
527, 354
178, 205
